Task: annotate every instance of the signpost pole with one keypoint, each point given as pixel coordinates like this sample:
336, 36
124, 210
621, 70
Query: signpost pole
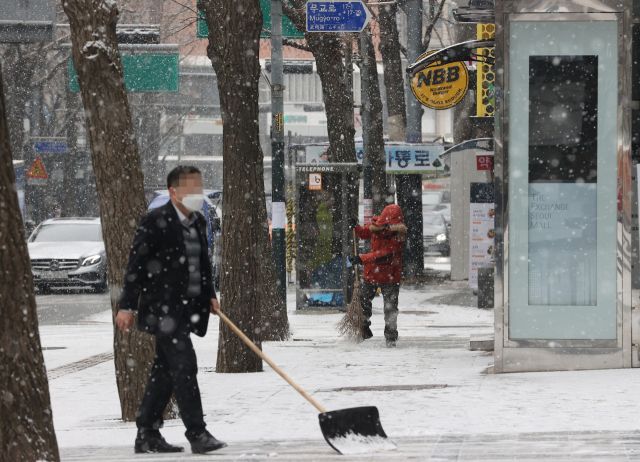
277, 148
31, 195
411, 185
365, 114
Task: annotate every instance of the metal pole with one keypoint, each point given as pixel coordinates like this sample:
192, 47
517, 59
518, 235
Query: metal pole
277, 149
33, 197
412, 184
366, 129
414, 50
348, 68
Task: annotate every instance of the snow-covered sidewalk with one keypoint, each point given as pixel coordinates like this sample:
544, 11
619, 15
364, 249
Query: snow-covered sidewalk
432, 392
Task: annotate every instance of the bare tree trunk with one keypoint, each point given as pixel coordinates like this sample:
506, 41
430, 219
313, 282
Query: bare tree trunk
393, 75
250, 295
432, 16
327, 51
20, 64
116, 165
26, 426
374, 106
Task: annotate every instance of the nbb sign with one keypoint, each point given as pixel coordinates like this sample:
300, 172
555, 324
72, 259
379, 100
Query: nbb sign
439, 76
441, 86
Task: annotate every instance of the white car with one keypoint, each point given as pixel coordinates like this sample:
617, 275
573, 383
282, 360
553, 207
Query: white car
68, 252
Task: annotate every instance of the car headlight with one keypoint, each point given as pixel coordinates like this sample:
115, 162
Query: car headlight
441, 237
92, 260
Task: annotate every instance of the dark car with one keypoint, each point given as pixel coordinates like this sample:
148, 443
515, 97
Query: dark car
436, 233
68, 252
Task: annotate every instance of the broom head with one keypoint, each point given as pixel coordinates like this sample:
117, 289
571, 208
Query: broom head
351, 325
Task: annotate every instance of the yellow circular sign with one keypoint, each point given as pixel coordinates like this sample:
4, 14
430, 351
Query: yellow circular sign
441, 86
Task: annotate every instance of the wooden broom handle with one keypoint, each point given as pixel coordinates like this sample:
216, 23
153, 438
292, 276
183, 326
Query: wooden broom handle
257, 351
355, 249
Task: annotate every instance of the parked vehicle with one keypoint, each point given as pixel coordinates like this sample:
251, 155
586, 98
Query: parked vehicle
437, 201
435, 233
68, 252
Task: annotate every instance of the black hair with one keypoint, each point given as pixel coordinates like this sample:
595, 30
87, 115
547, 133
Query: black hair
181, 170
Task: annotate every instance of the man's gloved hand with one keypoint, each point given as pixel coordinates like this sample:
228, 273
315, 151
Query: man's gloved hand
356, 260
353, 223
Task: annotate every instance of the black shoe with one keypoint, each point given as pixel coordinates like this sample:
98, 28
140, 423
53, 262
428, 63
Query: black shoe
153, 442
391, 343
366, 333
206, 443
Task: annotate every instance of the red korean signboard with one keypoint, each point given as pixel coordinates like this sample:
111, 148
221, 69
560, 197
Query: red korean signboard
484, 162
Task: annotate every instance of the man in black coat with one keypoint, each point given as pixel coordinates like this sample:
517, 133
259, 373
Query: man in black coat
169, 281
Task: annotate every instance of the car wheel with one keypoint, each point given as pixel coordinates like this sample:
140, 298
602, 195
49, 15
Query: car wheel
446, 253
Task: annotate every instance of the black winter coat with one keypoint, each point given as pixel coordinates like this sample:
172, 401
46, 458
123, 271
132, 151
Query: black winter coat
157, 275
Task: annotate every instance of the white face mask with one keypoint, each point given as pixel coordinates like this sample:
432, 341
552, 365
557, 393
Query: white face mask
193, 202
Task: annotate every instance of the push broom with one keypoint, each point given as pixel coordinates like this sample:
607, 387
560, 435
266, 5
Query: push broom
351, 324
349, 431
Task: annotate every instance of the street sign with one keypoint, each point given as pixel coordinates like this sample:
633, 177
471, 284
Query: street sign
50, 147
315, 181
337, 16
143, 72
400, 158
484, 162
289, 29
440, 86
37, 171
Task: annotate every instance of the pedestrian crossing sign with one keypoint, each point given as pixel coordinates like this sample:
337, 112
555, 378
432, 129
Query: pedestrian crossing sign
37, 170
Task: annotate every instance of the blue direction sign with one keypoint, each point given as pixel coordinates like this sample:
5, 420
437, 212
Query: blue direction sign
50, 147
337, 16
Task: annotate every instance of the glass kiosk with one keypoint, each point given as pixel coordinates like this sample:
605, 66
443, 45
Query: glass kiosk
562, 286
324, 276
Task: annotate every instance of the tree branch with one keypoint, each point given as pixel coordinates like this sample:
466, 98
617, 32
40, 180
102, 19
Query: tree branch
184, 6
291, 43
294, 44
434, 16
294, 15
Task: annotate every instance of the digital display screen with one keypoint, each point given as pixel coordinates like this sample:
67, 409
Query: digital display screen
563, 157
563, 119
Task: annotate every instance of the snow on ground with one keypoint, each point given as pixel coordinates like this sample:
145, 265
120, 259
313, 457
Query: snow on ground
432, 350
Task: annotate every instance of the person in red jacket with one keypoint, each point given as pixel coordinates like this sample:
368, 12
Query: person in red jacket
382, 267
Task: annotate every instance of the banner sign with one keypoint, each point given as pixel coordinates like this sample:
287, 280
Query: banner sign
481, 244
409, 158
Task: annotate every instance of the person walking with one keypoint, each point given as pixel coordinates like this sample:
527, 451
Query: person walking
169, 282
382, 267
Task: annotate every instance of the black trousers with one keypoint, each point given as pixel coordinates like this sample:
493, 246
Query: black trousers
390, 293
175, 369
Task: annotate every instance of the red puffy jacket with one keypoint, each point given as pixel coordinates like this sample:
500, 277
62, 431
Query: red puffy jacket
383, 265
